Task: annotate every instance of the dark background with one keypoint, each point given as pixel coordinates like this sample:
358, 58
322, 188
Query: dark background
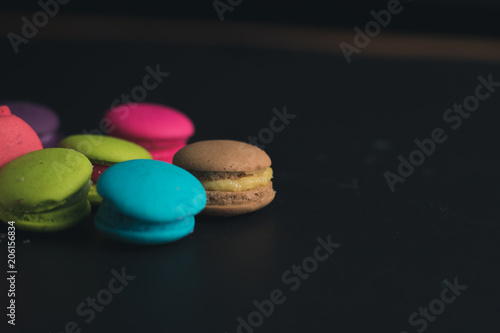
353, 121
465, 17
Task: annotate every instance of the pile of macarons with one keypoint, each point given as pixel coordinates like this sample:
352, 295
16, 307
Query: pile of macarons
143, 178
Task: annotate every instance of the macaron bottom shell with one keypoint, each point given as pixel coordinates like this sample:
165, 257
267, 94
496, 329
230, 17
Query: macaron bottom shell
50, 140
94, 197
49, 221
122, 228
165, 155
225, 203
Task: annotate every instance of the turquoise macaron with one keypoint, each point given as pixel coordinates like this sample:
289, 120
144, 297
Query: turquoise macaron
148, 202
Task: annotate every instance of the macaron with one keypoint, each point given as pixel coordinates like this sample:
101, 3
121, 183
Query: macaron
45, 190
41, 118
236, 175
148, 202
103, 152
16, 137
160, 129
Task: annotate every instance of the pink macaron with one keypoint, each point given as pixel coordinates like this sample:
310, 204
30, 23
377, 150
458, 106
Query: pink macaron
16, 137
160, 129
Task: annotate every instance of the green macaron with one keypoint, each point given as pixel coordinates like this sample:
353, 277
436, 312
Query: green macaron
103, 152
45, 190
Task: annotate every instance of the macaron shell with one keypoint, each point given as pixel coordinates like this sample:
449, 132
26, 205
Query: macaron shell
157, 233
154, 191
50, 221
17, 138
105, 150
94, 197
221, 155
50, 139
148, 120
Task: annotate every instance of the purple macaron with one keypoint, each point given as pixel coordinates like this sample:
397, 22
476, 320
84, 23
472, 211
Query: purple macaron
42, 119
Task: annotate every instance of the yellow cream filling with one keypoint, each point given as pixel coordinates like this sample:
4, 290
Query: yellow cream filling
258, 178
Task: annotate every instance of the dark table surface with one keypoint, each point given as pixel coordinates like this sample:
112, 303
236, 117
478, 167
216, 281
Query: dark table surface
396, 249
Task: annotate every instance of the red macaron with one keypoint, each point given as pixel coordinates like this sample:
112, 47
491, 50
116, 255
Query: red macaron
16, 136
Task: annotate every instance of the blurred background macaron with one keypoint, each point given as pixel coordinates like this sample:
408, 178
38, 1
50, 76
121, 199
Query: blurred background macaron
148, 202
41, 118
160, 129
103, 152
45, 190
236, 175
16, 137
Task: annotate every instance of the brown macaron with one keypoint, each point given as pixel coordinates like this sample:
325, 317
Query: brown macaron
236, 175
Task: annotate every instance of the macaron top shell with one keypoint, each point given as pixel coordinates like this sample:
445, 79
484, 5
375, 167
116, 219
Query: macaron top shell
41, 118
149, 121
105, 150
221, 155
154, 191
16, 137
43, 179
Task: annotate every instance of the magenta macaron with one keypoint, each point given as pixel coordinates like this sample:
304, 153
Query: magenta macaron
162, 130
